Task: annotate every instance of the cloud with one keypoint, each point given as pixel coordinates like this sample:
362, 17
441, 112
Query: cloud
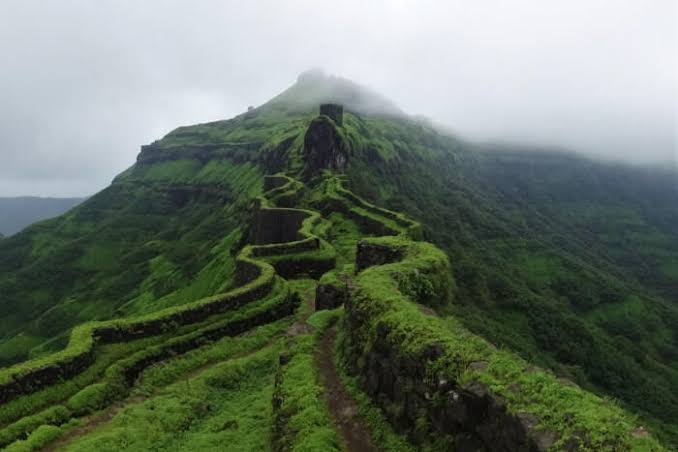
83, 84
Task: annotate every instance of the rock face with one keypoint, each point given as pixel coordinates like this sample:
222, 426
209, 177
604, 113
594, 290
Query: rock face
323, 148
370, 254
330, 296
334, 112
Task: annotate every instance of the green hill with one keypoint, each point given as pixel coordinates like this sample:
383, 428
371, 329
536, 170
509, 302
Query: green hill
192, 282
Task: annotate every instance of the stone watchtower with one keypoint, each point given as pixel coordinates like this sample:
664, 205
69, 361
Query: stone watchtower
323, 144
333, 111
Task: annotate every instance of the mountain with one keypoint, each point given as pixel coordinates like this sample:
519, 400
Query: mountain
18, 212
536, 259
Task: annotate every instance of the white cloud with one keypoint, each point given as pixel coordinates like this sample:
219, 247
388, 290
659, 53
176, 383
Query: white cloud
83, 84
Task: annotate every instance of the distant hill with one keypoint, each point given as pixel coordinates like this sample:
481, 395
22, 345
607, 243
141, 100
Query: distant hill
17, 213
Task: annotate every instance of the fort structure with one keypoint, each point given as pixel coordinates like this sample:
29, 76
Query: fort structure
435, 383
324, 148
334, 112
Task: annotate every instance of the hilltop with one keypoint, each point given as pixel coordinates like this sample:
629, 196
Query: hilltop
565, 264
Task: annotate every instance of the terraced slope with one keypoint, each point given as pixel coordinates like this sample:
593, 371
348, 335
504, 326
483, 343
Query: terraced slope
442, 386
159, 236
243, 366
88, 374
192, 264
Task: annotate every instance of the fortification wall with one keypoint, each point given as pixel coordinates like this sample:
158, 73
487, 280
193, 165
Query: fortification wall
276, 225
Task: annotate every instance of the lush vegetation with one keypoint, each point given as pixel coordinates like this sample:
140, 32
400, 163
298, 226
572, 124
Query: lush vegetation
387, 306
569, 263
565, 260
145, 243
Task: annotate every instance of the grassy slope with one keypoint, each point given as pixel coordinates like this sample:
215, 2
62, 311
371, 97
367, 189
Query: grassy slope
226, 407
43, 426
158, 236
208, 407
567, 261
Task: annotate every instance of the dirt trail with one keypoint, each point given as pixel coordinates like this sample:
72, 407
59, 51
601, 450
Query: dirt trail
343, 408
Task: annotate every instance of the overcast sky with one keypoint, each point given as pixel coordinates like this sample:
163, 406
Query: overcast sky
84, 83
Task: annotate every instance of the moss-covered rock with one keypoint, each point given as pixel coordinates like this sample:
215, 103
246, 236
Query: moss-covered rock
323, 148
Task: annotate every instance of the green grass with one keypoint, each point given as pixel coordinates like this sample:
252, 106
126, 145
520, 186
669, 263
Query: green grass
23, 414
344, 236
39, 438
85, 399
227, 407
135, 244
410, 331
227, 348
303, 422
539, 269
215, 277
566, 261
383, 300
113, 385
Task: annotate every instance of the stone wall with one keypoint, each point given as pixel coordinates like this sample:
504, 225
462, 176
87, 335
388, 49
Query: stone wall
465, 417
292, 267
275, 226
370, 254
329, 296
272, 182
398, 350
45, 376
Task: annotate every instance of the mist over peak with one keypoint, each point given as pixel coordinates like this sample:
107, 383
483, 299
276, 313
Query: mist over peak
596, 77
315, 86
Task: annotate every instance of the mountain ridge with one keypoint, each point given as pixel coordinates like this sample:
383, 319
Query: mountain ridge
569, 263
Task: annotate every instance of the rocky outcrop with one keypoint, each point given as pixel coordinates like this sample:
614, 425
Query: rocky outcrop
334, 112
323, 148
370, 254
331, 291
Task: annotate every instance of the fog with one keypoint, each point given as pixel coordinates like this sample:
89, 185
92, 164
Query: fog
84, 83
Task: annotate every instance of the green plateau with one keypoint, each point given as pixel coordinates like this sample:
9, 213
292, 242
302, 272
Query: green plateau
349, 278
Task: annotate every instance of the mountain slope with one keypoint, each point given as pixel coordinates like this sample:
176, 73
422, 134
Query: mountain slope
566, 261
391, 337
158, 236
18, 212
